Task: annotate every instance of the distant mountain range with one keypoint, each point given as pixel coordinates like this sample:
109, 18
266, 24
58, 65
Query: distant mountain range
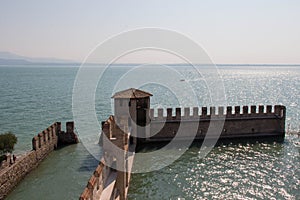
8, 58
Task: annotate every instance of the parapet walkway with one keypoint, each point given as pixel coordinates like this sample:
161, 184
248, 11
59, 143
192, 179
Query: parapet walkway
5, 165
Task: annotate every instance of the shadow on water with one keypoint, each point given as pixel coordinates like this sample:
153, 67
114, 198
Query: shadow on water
154, 146
89, 163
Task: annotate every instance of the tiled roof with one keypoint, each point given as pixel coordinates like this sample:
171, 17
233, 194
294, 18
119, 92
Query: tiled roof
131, 93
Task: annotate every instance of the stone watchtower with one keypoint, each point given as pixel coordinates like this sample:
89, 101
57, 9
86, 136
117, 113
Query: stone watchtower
132, 107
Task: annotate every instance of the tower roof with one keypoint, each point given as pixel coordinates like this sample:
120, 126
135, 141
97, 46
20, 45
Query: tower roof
131, 93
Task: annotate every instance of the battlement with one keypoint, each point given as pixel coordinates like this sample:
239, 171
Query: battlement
46, 137
42, 145
114, 133
106, 182
96, 184
53, 136
135, 123
206, 113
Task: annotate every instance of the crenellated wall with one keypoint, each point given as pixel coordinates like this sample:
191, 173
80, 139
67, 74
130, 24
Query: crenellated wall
135, 124
245, 121
253, 121
42, 144
68, 136
204, 112
107, 182
96, 183
46, 141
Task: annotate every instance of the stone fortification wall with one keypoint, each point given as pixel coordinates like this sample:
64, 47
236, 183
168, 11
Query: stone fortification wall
239, 121
42, 144
68, 136
106, 182
97, 182
12, 175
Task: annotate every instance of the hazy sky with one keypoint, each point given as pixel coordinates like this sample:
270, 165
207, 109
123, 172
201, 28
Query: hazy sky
231, 31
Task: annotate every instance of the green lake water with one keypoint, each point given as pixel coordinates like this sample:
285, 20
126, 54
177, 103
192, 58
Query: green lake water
33, 97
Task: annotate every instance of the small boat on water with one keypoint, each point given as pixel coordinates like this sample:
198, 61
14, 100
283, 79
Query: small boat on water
297, 144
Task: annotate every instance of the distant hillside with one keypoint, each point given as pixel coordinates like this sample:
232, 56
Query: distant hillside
14, 62
7, 58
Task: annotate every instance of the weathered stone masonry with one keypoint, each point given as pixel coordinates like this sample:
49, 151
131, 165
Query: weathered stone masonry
250, 121
107, 182
42, 144
141, 126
